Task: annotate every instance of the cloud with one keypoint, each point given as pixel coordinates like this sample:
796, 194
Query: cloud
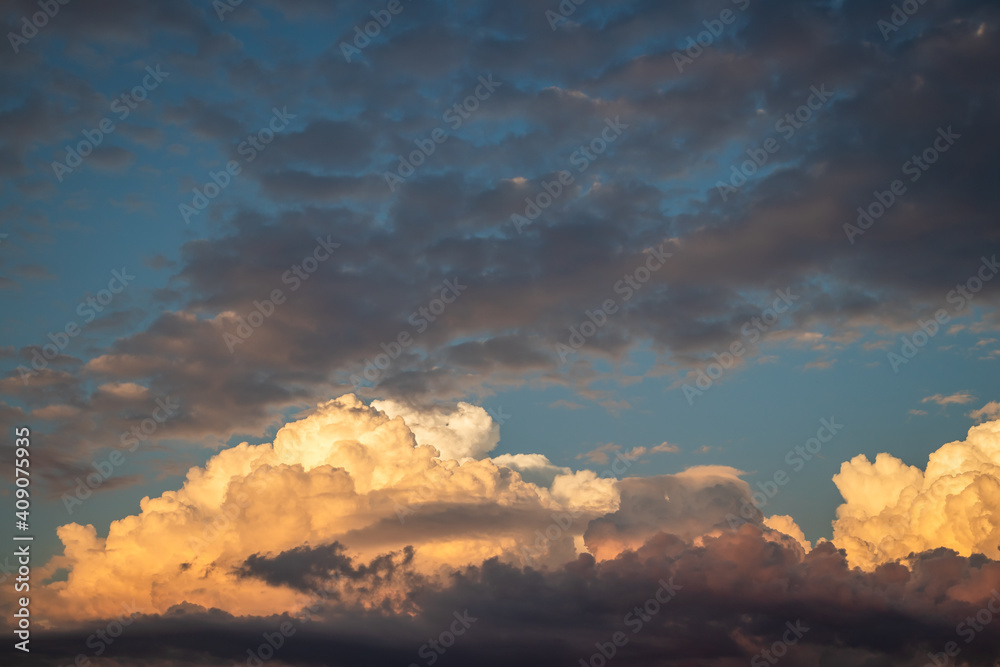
379, 486
306, 568
689, 504
735, 593
666, 448
352, 475
893, 510
959, 398
786, 525
989, 411
533, 467
349, 519
467, 431
601, 455
455, 211
347, 473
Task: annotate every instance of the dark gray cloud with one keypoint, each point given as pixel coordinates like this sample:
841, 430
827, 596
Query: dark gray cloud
655, 184
304, 568
735, 596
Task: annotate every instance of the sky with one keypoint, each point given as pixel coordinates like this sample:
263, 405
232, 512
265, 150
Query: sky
345, 323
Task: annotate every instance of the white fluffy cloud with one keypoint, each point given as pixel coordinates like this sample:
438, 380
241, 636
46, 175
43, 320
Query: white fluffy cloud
378, 479
467, 431
349, 473
786, 524
893, 509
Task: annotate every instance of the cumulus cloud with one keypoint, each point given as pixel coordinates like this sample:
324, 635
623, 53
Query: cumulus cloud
786, 525
581, 489
350, 483
351, 519
893, 510
534, 467
347, 473
467, 431
689, 504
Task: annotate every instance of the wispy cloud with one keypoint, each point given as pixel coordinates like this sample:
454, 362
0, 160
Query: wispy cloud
602, 454
959, 398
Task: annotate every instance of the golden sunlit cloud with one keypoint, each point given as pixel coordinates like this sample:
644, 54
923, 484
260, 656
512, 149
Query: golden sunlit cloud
416, 489
893, 510
347, 472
